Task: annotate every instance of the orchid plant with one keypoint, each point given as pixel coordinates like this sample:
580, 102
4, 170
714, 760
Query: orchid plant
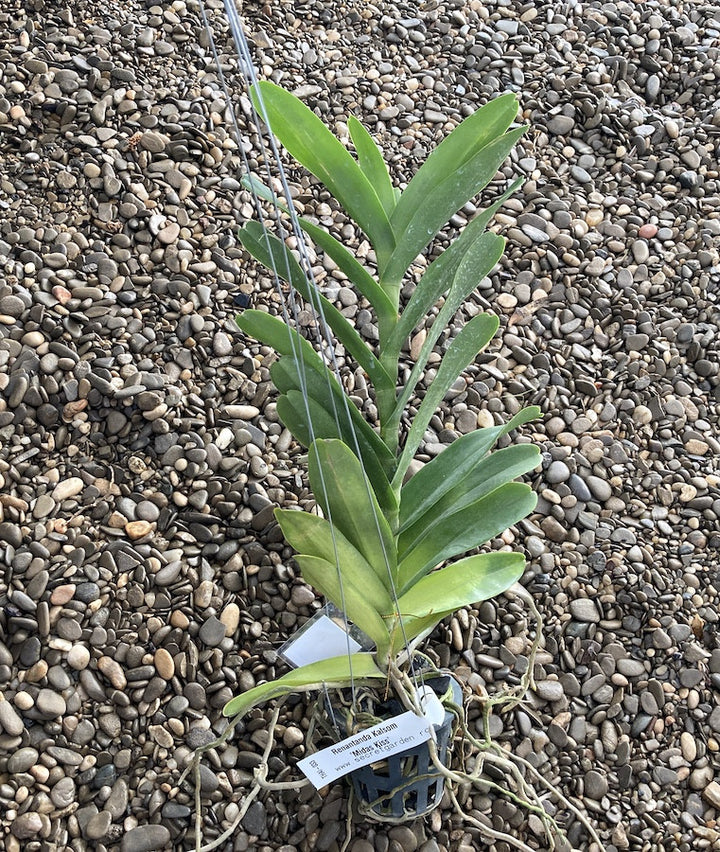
386, 547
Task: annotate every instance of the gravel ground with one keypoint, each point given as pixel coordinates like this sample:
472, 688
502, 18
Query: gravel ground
143, 582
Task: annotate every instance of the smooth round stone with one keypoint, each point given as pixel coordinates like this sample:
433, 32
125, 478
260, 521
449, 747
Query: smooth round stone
138, 529
68, 488
50, 703
584, 609
146, 838
27, 825
230, 617
22, 759
631, 668
12, 306
78, 657
600, 488
164, 664
98, 825
557, 472
147, 511
549, 690
596, 785
63, 793
641, 251
113, 671
10, 722
688, 746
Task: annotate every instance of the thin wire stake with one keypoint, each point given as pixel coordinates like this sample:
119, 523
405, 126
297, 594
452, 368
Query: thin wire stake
323, 331
315, 304
243, 55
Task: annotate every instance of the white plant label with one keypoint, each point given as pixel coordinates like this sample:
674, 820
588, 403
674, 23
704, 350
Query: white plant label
322, 639
383, 740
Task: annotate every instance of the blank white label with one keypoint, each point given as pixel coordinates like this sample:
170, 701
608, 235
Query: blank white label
322, 639
383, 740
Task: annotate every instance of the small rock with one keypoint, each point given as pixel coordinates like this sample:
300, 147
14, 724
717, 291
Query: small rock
138, 529
584, 609
67, 488
596, 785
711, 794
146, 838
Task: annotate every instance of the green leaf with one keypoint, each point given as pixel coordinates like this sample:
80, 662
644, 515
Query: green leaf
304, 135
311, 535
346, 497
348, 597
284, 340
470, 340
460, 184
470, 136
351, 425
294, 408
464, 530
372, 164
481, 257
332, 415
484, 477
359, 277
471, 580
440, 274
336, 672
305, 418
452, 466
270, 251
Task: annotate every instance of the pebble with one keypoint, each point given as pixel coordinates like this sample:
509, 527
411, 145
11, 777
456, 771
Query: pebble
145, 838
113, 672
585, 610
70, 487
78, 657
164, 664
10, 722
50, 703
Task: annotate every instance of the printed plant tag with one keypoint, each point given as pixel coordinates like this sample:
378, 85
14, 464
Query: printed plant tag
383, 740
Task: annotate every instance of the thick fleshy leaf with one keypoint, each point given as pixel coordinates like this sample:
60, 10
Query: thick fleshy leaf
464, 530
311, 535
348, 595
452, 466
270, 251
284, 340
354, 430
460, 185
297, 411
485, 476
439, 276
305, 136
470, 136
305, 418
337, 672
359, 277
372, 164
345, 495
481, 257
470, 340
471, 580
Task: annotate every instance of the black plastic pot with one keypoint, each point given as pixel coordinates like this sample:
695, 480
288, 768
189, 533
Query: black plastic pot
407, 785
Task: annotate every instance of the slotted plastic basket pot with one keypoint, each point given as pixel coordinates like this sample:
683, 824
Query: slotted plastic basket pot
407, 785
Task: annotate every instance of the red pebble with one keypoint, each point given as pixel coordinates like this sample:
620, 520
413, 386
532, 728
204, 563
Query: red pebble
647, 231
62, 294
